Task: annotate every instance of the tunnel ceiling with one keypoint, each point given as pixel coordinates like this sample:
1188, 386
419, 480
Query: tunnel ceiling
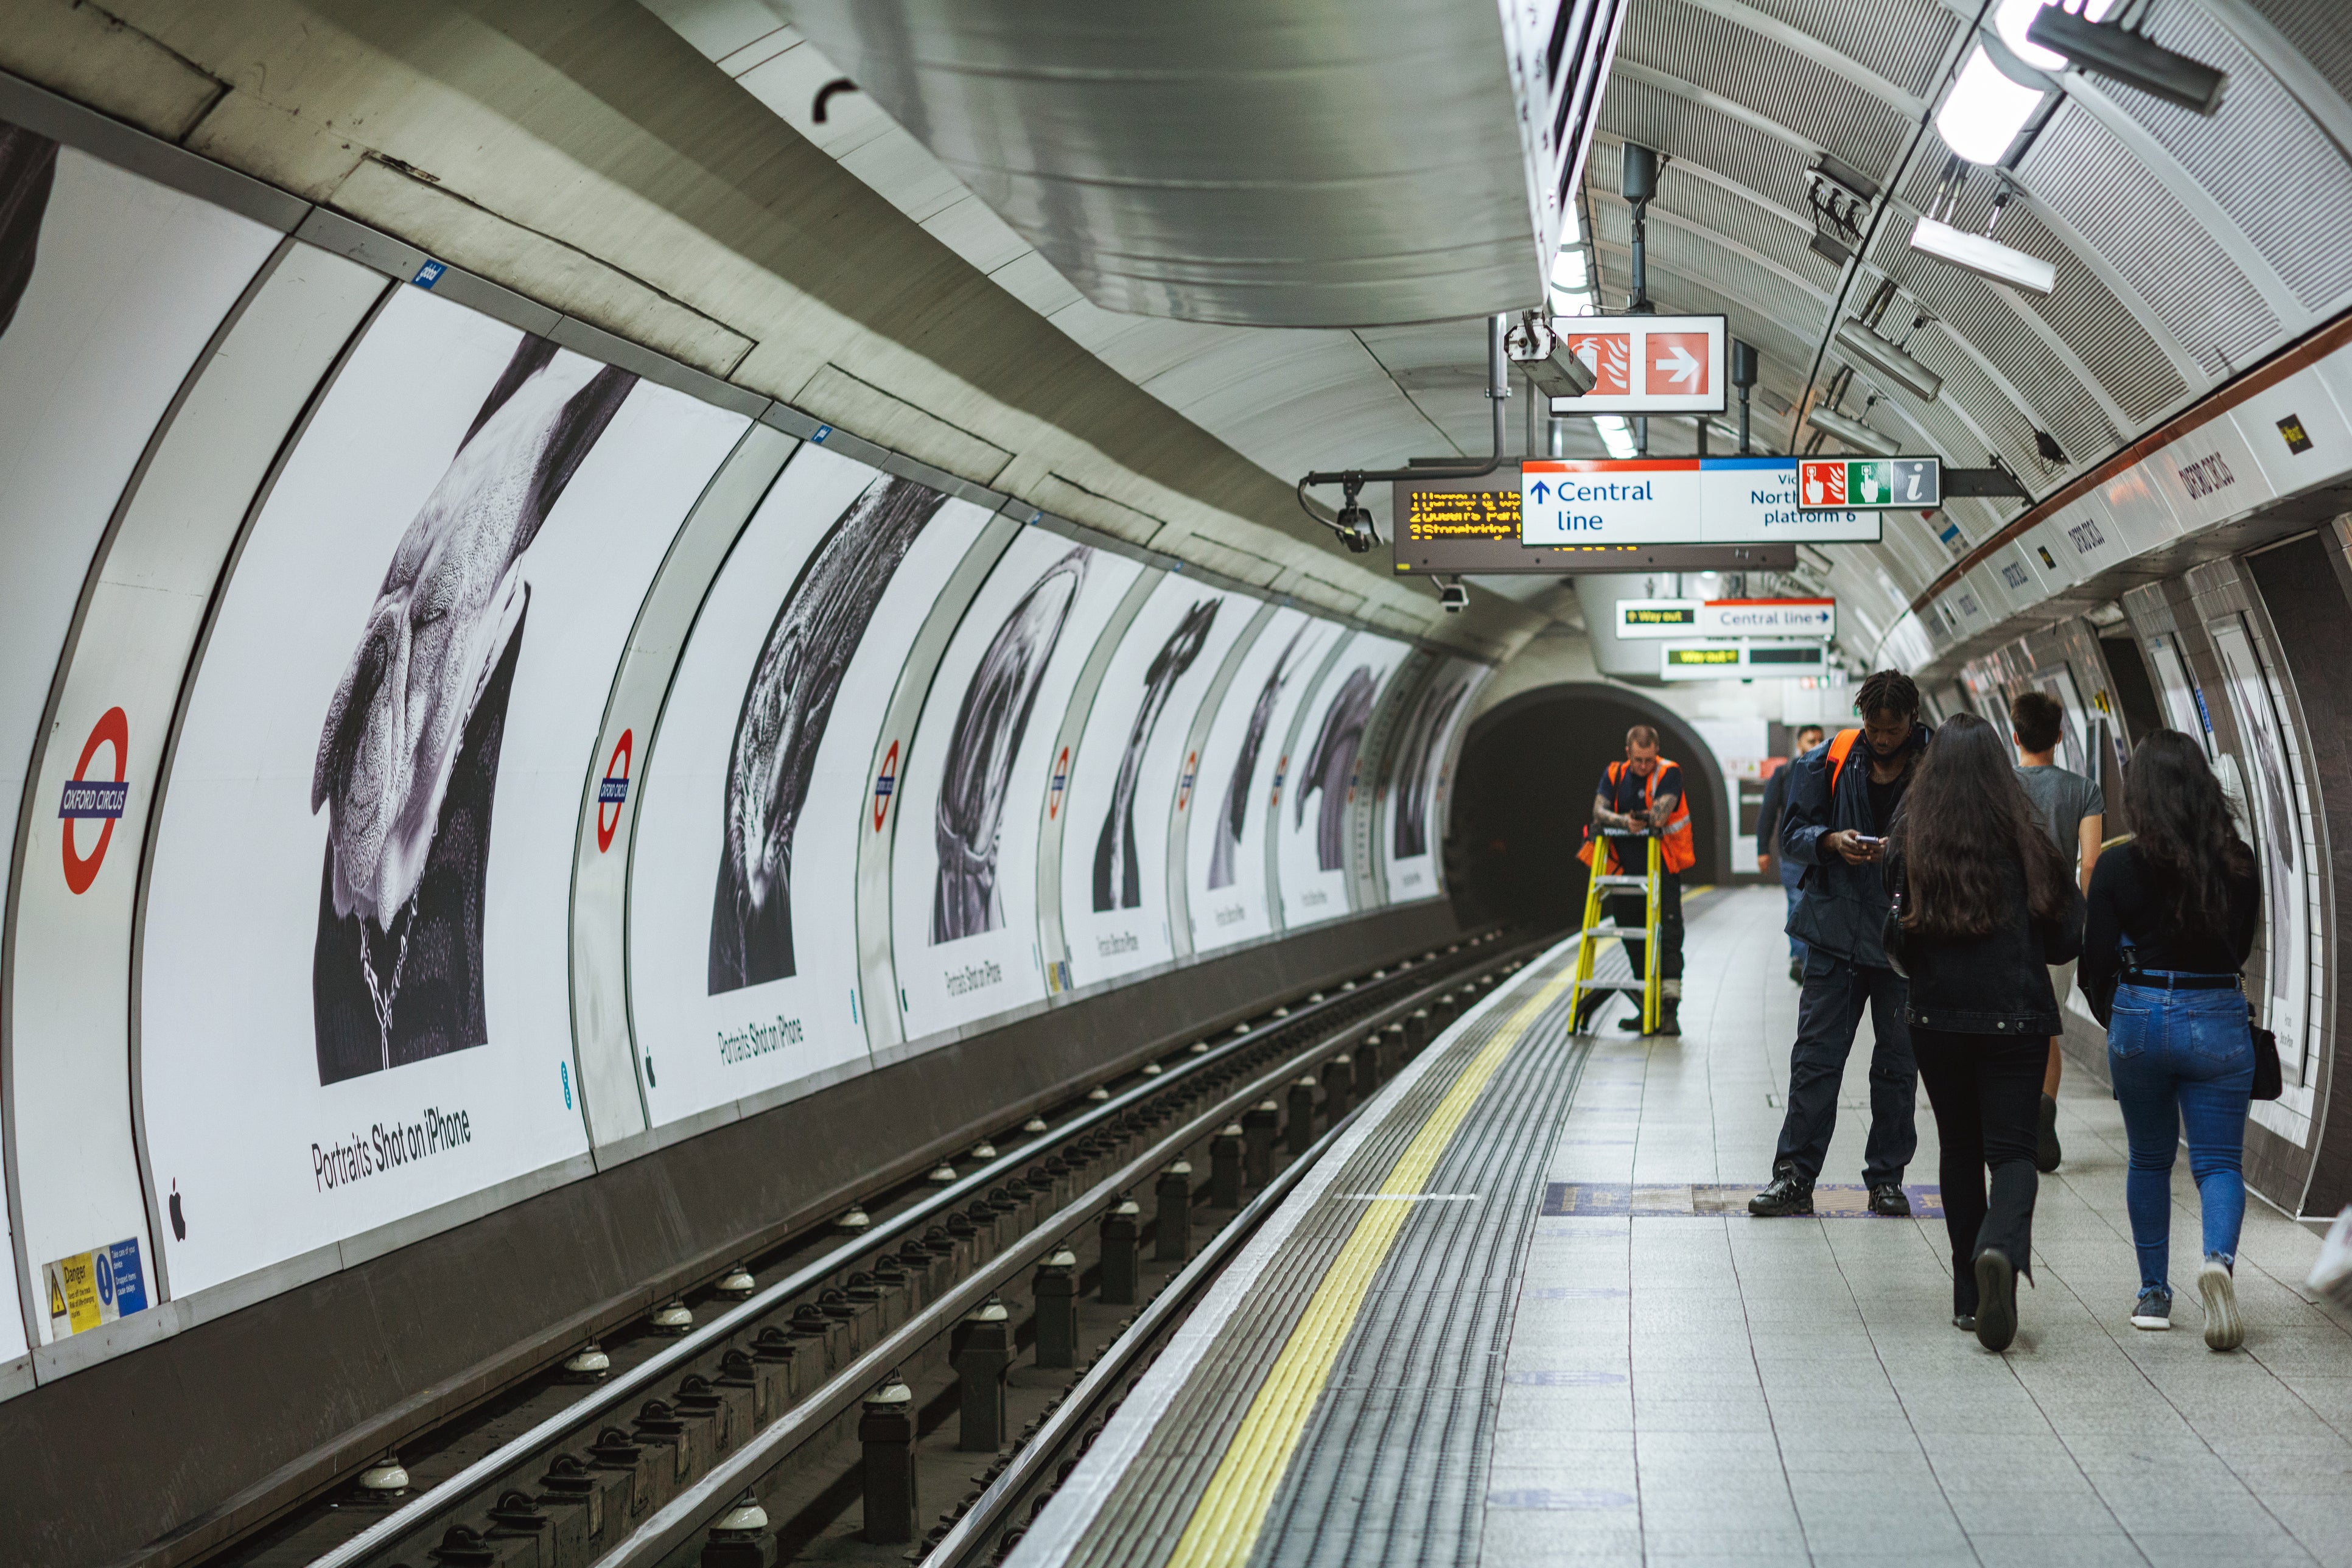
2179, 242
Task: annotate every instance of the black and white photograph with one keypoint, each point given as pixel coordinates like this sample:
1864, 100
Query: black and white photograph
978, 786
786, 707
760, 782
990, 725
374, 798
1414, 787
1121, 808
1225, 847
407, 763
1321, 793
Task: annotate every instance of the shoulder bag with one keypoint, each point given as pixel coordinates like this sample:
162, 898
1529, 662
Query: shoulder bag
2270, 1080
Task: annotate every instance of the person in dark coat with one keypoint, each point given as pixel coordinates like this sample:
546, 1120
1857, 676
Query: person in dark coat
1842, 800
1767, 842
1987, 907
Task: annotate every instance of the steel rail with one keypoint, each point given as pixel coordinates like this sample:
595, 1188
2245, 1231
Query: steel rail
473, 1486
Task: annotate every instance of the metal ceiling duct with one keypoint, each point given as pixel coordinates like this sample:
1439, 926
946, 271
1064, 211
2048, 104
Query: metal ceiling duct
1890, 360
1259, 163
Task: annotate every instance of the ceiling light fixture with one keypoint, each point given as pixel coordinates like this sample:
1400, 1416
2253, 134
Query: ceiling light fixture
1615, 434
1852, 432
2118, 53
1985, 110
1977, 253
1859, 336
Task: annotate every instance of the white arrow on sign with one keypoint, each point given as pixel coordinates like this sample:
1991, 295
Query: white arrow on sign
1680, 366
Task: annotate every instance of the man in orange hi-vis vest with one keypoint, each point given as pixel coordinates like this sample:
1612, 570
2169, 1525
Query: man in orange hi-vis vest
1643, 791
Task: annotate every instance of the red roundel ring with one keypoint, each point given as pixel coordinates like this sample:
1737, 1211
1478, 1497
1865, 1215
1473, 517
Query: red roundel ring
884, 785
113, 729
613, 790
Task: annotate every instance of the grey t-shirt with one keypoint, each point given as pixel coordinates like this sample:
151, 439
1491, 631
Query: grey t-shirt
2063, 799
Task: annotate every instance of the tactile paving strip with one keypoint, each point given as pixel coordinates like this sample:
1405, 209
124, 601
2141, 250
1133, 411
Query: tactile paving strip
1449, 1255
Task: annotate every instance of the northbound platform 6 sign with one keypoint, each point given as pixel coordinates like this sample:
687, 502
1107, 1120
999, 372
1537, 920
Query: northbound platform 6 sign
1566, 502
1849, 484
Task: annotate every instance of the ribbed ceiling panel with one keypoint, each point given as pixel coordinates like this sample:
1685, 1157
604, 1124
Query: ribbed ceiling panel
2090, 320
1694, 255
1902, 40
1987, 405
1637, 111
1744, 222
1768, 77
1970, 307
2092, 181
2317, 30
2264, 159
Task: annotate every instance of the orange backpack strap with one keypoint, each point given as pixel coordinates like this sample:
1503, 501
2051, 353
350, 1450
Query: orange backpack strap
1838, 749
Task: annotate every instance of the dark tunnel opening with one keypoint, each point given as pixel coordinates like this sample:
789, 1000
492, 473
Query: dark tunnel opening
1525, 792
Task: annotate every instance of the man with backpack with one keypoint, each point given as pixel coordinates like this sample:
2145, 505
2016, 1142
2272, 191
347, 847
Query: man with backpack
1842, 798
2073, 810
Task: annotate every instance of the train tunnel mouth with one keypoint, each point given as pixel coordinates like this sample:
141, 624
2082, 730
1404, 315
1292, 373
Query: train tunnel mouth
1523, 797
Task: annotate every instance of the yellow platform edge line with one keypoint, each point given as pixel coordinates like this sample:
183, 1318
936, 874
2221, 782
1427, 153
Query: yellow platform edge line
1232, 1511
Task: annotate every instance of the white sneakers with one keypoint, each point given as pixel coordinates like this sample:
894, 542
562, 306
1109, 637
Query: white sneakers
2224, 1330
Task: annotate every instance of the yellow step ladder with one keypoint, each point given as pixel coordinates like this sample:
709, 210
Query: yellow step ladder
1592, 932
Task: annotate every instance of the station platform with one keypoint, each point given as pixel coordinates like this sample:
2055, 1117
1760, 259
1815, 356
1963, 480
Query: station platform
1518, 1315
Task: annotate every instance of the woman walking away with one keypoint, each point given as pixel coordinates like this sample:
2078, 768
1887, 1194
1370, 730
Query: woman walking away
2171, 922
1986, 907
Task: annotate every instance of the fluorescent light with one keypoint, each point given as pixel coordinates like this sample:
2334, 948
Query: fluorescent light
1895, 364
1984, 255
1854, 433
1571, 303
1568, 269
2011, 17
1569, 234
1985, 110
1615, 434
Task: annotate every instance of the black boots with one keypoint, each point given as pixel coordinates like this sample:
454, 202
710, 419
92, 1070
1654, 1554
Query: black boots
1790, 1194
1890, 1201
1996, 1298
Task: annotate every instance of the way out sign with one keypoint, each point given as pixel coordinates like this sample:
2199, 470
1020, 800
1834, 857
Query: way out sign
1665, 618
1647, 364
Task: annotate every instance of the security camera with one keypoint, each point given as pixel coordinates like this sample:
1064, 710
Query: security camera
1453, 597
1541, 353
1354, 525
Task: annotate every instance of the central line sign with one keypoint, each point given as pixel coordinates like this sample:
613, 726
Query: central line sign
1575, 501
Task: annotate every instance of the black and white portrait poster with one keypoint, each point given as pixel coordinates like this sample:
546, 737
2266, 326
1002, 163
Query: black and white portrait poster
1225, 844
110, 286
979, 778
2273, 766
742, 913
1323, 786
1129, 768
1415, 792
355, 1003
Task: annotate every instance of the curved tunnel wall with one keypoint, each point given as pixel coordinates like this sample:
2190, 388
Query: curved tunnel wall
1525, 796
463, 753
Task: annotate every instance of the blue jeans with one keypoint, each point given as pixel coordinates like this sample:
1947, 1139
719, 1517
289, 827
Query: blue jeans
1789, 874
2181, 1058
1829, 1012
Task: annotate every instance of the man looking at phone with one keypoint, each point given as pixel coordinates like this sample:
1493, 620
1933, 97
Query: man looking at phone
1842, 798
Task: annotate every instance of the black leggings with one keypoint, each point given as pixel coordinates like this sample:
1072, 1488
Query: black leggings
1986, 1094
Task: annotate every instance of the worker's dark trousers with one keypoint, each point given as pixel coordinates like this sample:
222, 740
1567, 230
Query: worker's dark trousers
1630, 911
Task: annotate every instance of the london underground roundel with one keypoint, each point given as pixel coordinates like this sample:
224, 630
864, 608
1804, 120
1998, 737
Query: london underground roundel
103, 799
884, 784
613, 790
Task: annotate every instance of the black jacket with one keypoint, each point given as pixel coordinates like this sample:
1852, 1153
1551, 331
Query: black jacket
1995, 984
1768, 816
1844, 907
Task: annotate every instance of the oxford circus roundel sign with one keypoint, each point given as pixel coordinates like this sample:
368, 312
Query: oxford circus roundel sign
103, 799
613, 791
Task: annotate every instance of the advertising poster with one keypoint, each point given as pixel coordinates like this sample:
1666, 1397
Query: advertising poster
354, 1004
1311, 823
110, 286
742, 925
1124, 780
2273, 780
1224, 850
963, 899
1413, 794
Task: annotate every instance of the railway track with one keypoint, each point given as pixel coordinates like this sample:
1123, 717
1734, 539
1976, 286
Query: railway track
725, 1428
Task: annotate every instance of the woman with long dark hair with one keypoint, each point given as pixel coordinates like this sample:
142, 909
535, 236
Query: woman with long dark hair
1986, 907
2172, 920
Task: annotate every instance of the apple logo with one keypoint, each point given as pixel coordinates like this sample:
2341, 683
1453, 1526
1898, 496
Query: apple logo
179, 1219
